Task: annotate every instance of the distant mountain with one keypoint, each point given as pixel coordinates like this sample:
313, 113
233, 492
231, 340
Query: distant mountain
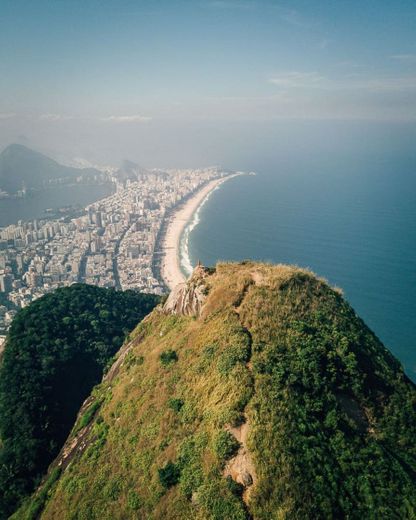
130, 171
21, 167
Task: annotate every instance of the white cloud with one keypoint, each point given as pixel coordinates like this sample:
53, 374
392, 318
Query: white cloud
134, 118
7, 115
127, 119
311, 95
297, 79
357, 82
397, 84
405, 58
230, 4
286, 15
55, 117
319, 104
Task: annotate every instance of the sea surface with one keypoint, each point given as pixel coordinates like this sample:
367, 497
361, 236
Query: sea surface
34, 206
350, 219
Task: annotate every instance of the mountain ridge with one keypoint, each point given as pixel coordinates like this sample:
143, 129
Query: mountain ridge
268, 398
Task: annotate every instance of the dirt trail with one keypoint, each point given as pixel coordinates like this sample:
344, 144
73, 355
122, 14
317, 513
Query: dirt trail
241, 468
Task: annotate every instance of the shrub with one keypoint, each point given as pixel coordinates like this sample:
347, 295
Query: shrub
220, 503
88, 415
206, 358
231, 356
190, 463
175, 404
189, 413
133, 500
132, 360
38, 503
112, 489
236, 488
169, 475
167, 357
192, 476
225, 445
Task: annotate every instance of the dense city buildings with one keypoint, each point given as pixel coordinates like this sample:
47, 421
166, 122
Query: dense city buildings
111, 245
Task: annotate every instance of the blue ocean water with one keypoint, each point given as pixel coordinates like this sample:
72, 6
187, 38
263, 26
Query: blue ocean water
350, 219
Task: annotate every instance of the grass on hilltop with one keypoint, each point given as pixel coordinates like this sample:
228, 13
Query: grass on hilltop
331, 415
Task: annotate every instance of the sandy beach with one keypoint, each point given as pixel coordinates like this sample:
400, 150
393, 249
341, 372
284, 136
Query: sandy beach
170, 267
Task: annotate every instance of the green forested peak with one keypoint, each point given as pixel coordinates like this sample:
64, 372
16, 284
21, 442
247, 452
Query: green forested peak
272, 400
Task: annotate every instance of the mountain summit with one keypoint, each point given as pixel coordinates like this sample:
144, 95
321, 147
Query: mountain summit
254, 392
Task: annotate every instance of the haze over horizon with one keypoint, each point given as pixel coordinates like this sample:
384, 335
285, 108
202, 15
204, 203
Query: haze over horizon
186, 83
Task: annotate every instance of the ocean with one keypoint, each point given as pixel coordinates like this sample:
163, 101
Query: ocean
350, 219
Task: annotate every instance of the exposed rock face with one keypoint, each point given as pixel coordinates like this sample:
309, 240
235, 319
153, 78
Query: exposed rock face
187, 298
241, 468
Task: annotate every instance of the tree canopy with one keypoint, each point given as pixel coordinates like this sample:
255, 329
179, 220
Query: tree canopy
56, 351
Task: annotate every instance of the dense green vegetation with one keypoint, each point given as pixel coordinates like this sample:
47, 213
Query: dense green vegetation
276, 403
56, 351
167, 357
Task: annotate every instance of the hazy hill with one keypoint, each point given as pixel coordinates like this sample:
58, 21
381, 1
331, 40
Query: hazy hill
56, 351
256, 392
20, 166
133, 172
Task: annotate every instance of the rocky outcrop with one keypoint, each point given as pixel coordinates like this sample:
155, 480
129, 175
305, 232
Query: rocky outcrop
188, 298
241, 468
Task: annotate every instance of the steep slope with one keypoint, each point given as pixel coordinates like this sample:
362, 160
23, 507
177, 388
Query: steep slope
56, 351
266, 398
20, 166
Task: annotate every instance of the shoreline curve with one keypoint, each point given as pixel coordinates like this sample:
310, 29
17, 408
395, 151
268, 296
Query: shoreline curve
170, 267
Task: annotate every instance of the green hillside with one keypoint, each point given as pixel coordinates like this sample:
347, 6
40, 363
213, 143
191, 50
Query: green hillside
20, 166
56, 351
256, 393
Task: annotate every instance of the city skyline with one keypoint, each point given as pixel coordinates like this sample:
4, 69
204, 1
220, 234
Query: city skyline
113, 243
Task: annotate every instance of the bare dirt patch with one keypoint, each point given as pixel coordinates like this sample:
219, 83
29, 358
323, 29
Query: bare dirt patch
241, 468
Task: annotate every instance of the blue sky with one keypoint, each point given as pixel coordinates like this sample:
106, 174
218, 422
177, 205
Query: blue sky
125, 64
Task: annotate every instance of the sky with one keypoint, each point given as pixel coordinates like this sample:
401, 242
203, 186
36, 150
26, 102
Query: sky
177, 81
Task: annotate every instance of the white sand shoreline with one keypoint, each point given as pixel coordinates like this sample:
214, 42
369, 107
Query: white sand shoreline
170, 270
